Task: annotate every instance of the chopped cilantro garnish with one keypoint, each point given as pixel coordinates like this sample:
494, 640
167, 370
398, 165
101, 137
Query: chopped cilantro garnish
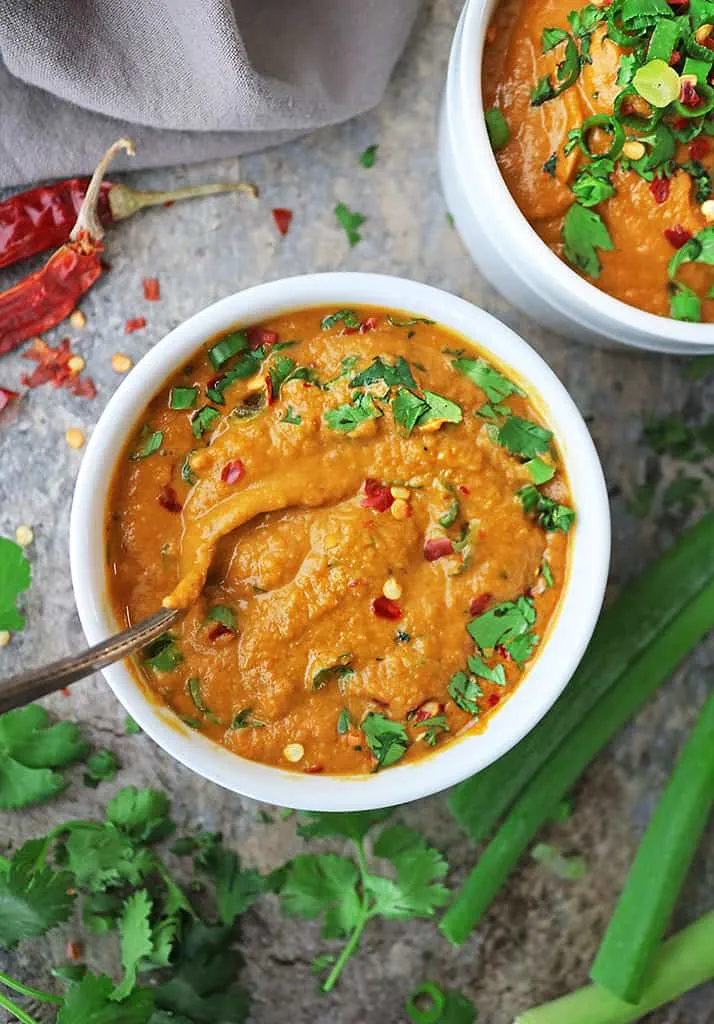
435, 727
493, 674
493, 383
409, 410
341, 670
547, 573
346, 418
292, 417
183, 398
551, 165
203, 420
522, 437
351, 222
540, 471
344, 722
280, 371
584, 232
386, 739
15, 576
550, 514
151, 442
163, 654
503, 624
685, 304
244, 719
193, 685
348, 317
551, 37
230, 345
223, 614
592, 184
410, 322
401, 637
392, 375
369, 155
465, 691
187, 474
566, 73
498, 131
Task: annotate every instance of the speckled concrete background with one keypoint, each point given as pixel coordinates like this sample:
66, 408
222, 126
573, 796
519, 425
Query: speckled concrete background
541, 933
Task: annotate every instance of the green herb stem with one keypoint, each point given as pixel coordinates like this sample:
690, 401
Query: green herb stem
660, 867
539, 800
353, 941
683, 962
32, 993
7, 1004
635, 619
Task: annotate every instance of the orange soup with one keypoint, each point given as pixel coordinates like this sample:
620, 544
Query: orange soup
602, 119
367, 526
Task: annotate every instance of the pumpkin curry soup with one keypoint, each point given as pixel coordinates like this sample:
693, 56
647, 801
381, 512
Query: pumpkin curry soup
602, 119
367, 525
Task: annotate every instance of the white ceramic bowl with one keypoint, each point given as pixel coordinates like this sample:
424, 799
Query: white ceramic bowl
558, 656
504, 246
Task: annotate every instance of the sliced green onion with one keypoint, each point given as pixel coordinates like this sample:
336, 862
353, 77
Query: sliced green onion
658, 83
183, 398
660, 867
607, 123
229, 346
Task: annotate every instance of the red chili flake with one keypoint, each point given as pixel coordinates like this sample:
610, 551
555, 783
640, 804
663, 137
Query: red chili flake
680, 6
482, 534
152, 291
370, 324
437, 547
282, 218
479, 604
233, 471
675, 58
422, 713
463, 489
315, 769
6, 397
357, 583
65, 691
53, 368
259, 337
270, 398
698, 148
168, 499
219, 630
377, 496
351, 330
659, 187
493, 699
383, 608
135, 324
504, 652
677, 236
213, 381
73, 950
688, 95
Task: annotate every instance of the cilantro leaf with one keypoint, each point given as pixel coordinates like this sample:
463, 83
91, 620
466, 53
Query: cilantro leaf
502, 624
342, 669
142, 813
322, 884
29, 749
368, 156
495, 386
522, 437
91, 1001
163, 654
497, 127
151, 441
440, 408
495, 674
348, 317
102, 766
236, 889
418, 890
350, 221
348, 824
551, 37
386, 739
15, 576
685, 305
626, 71
223, 614
550, 514
592, 183
543, 92
465, 691
407, 408
379, 369
101, 856
33, 899
346, 418
584, 232
551, 165
135, 939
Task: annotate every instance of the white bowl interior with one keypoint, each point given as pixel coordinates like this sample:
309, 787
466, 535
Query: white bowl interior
567, 638
513, 235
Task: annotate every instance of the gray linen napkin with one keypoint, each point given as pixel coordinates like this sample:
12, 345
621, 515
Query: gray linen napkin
186, 79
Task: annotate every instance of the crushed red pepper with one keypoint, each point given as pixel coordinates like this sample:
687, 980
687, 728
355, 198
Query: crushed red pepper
152, 290
136, 323
282, 218
677, 236
7, 396
53, 368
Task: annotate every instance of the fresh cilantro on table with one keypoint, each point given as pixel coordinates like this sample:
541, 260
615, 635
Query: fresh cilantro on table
15, 577
671, 435
494, 384
522, 437
351, 222
101, 766
91, 1000
135, 939
368, 156
33, 897
386, 739
31, 751
346, 418
584, 232
683, 493
346, 894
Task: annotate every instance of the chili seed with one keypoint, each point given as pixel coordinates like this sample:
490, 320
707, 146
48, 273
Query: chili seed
256, 383
24, 536
76, 364
707, 209
78, 319
121, 363
400, 509
294, 752
391, 589
4, 638
703, 33
633, 150
401, 492
74, 438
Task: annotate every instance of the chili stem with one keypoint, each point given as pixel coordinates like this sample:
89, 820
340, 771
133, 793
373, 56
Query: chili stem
626, 629
683, 962
25, 990
124, 201
660, 867
7, 1004
88, 218
540, 798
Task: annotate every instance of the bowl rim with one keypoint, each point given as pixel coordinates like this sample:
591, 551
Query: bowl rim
567, 638
515, 234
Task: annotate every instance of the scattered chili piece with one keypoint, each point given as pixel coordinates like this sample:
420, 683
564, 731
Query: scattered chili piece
7, 396
688, 95
383, 608
427, 710
270, 397
168, 499
50, 294
675, 59
315, 769
479, 604
152, 290
659, 187
504, 652
136, 323
437, 547
282, 218
259, 337
233, 471
493, 699
66, 692
680, 6
376, 496
677, 236
369, 324
73, 950
53, 368
218, 631
463, 489
699, 147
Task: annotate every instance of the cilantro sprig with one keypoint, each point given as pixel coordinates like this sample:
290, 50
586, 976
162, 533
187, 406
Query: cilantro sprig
15, 577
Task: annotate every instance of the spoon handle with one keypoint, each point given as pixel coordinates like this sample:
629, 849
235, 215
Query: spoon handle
29, 686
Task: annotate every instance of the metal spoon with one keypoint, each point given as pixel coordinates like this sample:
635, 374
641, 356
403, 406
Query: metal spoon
29, 686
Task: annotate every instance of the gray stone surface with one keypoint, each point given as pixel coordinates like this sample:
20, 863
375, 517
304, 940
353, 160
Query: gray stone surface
541, 933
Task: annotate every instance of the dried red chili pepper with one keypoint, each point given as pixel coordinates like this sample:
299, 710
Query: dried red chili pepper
136, 323
53, 367
282, 218
437, 547
659, 187
152, 291
49, 295
43, 218
7, 396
